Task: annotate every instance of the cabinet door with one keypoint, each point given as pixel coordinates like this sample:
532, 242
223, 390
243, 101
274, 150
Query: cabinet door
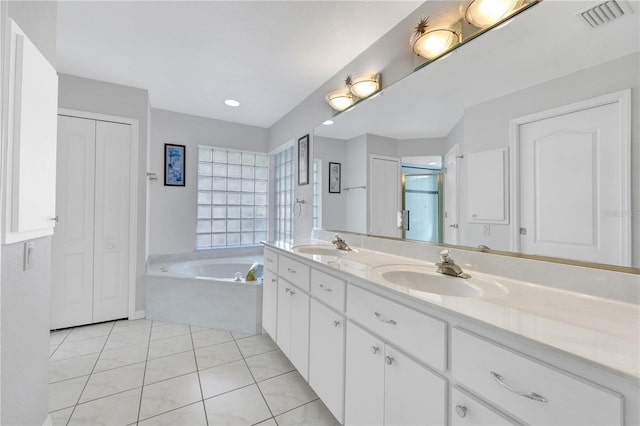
300, 331
326, 357
364, 378
270, 303
283, 325
412, 394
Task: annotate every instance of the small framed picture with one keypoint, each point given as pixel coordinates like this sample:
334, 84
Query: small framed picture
174, 164
303, 160
334, 178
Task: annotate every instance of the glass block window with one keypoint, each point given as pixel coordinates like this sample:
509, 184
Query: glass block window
232, 198
317, 191
283, 195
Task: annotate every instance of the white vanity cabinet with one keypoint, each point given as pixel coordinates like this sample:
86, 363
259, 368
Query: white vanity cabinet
385, 386
326, 356
270, 302
292, 319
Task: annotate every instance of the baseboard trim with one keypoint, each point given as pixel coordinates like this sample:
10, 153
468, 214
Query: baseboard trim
48, 421
139, 315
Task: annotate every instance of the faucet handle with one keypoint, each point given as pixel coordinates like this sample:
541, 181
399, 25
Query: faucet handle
337, 237
445, 257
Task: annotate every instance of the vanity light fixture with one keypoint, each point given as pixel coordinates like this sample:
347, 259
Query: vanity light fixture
431, 43
364, 85
484, 13
231, 102
341, 99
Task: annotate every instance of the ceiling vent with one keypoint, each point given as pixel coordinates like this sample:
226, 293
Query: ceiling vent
604, 12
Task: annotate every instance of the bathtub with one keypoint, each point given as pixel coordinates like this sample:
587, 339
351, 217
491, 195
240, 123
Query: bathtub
205, 292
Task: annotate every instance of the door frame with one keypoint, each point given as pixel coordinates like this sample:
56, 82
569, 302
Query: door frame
623, 99
133, 192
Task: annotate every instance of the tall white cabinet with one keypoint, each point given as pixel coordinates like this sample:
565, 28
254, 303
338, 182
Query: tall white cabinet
91, 242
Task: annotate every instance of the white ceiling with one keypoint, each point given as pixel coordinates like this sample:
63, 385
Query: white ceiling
191, 56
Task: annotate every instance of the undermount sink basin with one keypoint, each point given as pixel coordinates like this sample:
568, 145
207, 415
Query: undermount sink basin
426, 279
318, 250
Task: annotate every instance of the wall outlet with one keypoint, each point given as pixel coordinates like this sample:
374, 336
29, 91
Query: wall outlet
486, 229
28, 256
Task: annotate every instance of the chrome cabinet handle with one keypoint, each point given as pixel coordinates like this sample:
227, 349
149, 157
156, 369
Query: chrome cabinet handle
292, 271
55, 219
291, 292
269, 259
379, 317
461, 410
374, 349
336, 323
287, 290
325, 288
273, 280
388, 360
532, 395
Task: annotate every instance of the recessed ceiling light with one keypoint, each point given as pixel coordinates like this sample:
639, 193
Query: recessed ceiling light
231, 102
327, 123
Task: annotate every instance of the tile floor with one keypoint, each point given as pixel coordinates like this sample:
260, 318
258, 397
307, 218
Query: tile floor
155, 373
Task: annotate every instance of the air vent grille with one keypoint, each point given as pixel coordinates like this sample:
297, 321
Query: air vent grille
604, 12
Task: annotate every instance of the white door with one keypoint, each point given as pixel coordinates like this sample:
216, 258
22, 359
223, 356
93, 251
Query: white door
450, 214
412, 394
283, 324
326, 357
111, 253
300, 331
72, 254
269, 302
572, 186
364, 378
91, 242
384, 196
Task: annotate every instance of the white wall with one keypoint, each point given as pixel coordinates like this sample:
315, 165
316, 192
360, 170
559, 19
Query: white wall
24, 295
354, 173
172, 210
333, 205
113, 99
486, 126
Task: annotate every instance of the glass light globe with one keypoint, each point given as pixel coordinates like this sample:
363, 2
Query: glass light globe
365, 85
432, 43
340, 99
483, 13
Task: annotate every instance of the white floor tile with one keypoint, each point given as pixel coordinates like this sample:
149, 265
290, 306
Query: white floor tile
127, 338
211, 356
61, 417
79, 348
268, 422
312, 414
132, 325
256, 345
63, 369
244, 406
269, 364
89, 331
52, 349
66, 393
57, 337
225, 378
170, 330
170, 346
191, 415
170, 366
239, 336
170, 394
118, 409
115, 358
286, 391
113, 381
210, 337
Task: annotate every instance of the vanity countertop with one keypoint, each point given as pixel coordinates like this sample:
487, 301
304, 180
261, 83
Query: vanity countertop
600, 330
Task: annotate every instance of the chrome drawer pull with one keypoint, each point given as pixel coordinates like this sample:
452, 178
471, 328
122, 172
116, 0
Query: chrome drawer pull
273, 280
380, 318
336, 323
374, 349
292, 271
269, 259
461, 410
388, 360
536, 397
324, 288
287, 290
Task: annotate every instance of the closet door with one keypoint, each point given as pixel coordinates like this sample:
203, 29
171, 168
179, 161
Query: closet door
72, 269
111, 246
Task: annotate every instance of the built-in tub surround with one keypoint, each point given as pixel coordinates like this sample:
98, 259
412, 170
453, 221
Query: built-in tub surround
208, 292
602, 330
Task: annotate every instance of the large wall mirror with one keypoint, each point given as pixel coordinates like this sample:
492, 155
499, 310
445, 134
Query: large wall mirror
526, 139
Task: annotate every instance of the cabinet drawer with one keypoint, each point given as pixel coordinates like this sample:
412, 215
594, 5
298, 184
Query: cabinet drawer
293, 271
271, 260
328, 289
531, 391
422, 336
466, 410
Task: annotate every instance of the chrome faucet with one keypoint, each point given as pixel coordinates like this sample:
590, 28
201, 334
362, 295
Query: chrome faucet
447, 266
340, 243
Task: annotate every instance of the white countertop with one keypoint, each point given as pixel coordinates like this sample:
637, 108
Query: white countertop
601, 330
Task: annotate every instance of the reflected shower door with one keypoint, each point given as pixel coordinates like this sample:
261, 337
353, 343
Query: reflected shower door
422, 197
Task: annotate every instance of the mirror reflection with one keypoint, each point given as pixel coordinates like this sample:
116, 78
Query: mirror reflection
526, 139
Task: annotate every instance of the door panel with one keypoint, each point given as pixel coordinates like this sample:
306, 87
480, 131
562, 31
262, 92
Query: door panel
384, 195
450, 218
111, 257
72, 244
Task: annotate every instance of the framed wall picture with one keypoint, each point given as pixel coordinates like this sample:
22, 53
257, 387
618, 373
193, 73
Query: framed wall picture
334, 178
303, 160
174, 164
